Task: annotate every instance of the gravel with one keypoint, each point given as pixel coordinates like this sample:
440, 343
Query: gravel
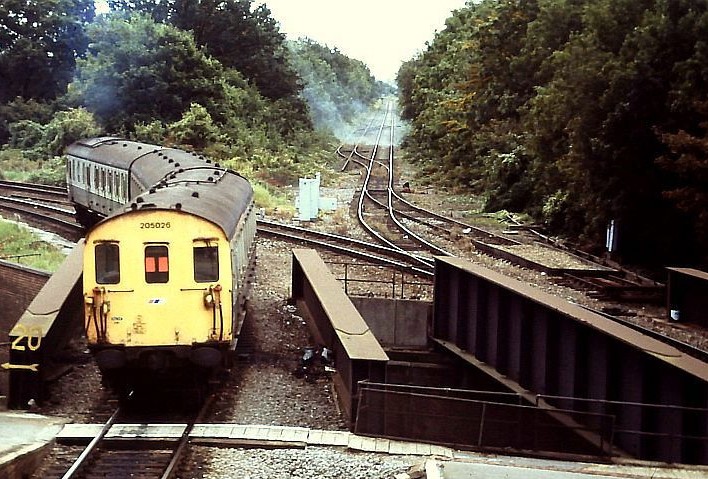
319, 462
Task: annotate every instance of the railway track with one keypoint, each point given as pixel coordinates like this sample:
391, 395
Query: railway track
418, 227
47, 216
158, 456
47, 193
44, 206
125, 456
379, 218
351, 247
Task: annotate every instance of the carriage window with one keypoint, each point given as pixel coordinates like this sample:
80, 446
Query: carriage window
107, 257
157, 265
206, 263
124, 186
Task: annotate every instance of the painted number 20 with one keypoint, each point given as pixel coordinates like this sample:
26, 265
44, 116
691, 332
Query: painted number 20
33, 335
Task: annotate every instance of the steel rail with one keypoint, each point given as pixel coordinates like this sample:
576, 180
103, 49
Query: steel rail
350, 157
33, 203
86, 453
391, 213
365, 185
365, 193
20, 186
171, 468
295, 233
354, 152
67, 229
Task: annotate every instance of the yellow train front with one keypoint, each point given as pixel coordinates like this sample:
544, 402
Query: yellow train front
165, 279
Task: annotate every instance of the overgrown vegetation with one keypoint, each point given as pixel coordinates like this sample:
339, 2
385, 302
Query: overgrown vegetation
577, 112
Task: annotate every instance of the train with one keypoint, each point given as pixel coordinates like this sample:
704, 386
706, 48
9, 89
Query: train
168, 259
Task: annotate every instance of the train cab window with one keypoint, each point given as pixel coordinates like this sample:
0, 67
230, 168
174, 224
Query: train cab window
107, 258
206, 264
157, 264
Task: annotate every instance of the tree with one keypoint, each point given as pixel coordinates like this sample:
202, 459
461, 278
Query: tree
42, 141
238, 35
337, 88
39, 43
687, 164
196, 128
552, 106
138, 70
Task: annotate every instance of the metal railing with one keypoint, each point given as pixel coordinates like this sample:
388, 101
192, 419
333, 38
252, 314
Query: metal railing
17, 257
392, 283
541, 423
659, 424
479, 420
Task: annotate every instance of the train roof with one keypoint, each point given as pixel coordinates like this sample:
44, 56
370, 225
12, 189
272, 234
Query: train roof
111, 151
219, 196
173, 179
147, 164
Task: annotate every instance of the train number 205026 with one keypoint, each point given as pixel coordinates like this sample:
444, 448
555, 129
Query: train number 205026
145, 225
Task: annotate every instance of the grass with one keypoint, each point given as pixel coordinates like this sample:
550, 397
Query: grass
20, 245
272, 202
15, 166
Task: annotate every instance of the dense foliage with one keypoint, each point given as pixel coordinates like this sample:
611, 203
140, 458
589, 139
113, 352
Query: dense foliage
39, 43
239, 34
217, 76
577, 111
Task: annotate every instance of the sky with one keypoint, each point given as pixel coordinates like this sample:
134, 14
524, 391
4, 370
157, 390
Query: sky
380, 33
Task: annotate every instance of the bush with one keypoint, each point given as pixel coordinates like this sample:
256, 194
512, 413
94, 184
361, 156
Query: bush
196, 128
68, 126
52, 172
45, 141
554, 208
153, 132
21, 109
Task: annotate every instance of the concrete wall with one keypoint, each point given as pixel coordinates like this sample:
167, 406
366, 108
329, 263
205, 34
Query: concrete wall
18, 287
396, 322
